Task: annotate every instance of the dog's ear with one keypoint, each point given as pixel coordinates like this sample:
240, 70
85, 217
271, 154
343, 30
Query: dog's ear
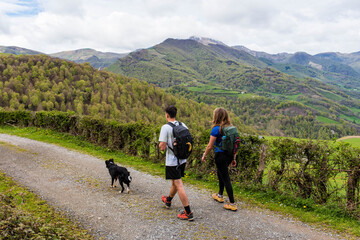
111, 160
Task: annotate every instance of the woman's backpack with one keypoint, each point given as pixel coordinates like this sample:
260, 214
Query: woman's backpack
230, 140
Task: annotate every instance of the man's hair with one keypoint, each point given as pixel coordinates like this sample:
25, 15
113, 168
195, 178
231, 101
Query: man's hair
171, 110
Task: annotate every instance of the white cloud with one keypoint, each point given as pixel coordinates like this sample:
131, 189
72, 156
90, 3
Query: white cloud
120, 26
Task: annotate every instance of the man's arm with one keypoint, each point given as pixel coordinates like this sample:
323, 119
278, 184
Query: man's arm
162, 146
163, 138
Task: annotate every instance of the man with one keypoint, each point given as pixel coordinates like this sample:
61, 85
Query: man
173, 171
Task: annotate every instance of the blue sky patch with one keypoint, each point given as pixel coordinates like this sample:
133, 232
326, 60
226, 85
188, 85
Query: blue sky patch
25, 8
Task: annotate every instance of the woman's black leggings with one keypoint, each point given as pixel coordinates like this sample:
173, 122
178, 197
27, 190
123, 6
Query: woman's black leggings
222, 161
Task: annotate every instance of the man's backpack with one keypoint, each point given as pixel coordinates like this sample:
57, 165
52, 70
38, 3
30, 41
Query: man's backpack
230, 140
183, 141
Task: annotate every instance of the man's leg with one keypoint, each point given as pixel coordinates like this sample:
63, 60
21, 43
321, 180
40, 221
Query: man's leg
173, 189
187, 215
178, 184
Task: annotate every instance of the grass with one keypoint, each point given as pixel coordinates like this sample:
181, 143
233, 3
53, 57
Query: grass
303, 210
293, 97
330, 95
216, 90
353, 141
351, 119
24, 215
355, 109
326, 120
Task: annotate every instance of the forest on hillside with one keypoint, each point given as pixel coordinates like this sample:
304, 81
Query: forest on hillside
39, 82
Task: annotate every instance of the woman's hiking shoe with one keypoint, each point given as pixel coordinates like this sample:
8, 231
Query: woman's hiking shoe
185, 216
216, 197
167, 203
230, 206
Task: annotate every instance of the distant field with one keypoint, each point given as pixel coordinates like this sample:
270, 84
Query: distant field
352, 119
355, 109
326, 120
330, 95
354, 140
218, 91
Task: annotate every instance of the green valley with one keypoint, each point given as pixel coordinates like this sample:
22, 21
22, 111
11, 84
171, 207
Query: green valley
263, 97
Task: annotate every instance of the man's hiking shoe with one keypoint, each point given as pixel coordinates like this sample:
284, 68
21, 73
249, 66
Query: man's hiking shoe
231, 207
167, 203
185, 216
217, 198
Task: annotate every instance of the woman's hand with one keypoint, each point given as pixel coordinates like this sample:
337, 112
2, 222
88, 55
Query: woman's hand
209, 147
233, 163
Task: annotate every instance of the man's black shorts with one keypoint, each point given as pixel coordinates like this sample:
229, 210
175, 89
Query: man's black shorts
175, 172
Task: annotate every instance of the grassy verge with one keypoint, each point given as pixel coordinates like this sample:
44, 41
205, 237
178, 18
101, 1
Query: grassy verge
304, 210
353, 141
23, 215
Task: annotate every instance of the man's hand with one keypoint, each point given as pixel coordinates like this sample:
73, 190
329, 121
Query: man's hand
233, 163
162, 146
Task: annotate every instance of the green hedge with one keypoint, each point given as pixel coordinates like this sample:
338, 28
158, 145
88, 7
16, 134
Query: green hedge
134, 138
325, 172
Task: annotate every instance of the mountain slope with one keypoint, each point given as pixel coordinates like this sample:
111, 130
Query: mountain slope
18, 50
217, 74
335, 68
96, 59
351, 59
183, 61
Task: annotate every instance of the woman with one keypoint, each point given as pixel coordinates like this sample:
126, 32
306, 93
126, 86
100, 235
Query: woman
221, 119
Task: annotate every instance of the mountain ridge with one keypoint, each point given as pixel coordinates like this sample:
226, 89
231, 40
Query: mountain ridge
342, 69
221, 75
332, 67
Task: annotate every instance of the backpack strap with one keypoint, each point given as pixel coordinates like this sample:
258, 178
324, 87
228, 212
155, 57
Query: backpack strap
173, 125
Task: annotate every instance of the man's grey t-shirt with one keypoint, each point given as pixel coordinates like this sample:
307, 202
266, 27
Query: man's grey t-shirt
166, 135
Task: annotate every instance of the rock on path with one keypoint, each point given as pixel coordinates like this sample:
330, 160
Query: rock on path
79, 185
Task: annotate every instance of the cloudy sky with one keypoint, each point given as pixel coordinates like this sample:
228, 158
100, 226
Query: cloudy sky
272, 26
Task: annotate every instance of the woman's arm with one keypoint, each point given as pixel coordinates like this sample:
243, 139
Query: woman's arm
233, 163
209, 147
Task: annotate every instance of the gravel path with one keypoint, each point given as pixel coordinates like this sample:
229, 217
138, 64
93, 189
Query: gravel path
79, 185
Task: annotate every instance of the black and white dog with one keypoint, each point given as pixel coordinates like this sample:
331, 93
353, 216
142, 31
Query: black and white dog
120, 173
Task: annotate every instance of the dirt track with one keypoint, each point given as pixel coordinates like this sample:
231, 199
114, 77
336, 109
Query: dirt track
78, 184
